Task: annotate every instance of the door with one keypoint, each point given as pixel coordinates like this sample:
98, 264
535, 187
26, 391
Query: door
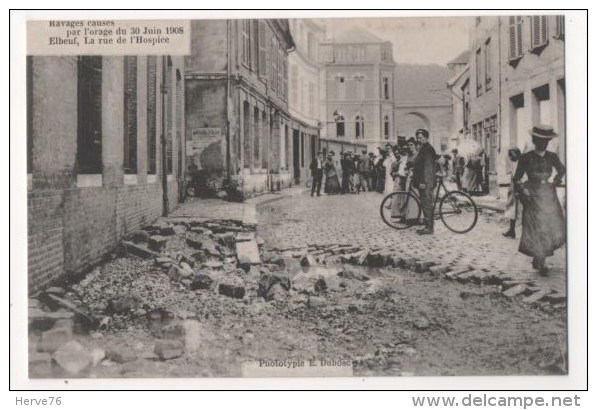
296, 146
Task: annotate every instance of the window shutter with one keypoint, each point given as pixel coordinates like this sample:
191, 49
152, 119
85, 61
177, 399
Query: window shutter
513, 41
262, 50
518, 36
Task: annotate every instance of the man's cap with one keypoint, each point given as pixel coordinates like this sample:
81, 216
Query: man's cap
422, 131
543, 131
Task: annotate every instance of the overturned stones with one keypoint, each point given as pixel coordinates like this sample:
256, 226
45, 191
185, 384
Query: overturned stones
72, 357
168, 349
309, 283
308, 260
247, 253
139, 250
157, 243
201, 281
231, 290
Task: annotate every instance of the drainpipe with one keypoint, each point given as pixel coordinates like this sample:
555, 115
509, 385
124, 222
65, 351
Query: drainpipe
164, 91
227, 99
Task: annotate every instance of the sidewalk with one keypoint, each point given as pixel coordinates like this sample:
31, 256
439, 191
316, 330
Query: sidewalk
246, 212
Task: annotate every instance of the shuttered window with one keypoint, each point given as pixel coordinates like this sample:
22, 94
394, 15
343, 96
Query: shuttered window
130, 115
478, 68
560, 22
538, 32
246, 42
262, 49
151, 114
89, 115
515, 37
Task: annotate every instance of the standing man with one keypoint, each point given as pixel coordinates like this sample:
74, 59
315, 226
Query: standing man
364, 168
317, 173
424, 179
457, 168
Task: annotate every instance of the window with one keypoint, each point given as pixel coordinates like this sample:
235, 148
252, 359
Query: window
386, 88
89, 115
339, 126
541, 106
311, 99
478, 63
560, 26
284, 73
359, 127
262, 49
341, 87
517, 119
302, 149
488, 74
386, 127
245, 55
466, 107
151, 114
274, 62
515, 37
294, 90
538, 33
385, 53
256, 137
130, 115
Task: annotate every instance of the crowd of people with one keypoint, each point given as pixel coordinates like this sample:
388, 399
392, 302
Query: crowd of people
414, 164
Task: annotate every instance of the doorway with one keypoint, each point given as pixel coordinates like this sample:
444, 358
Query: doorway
296, 156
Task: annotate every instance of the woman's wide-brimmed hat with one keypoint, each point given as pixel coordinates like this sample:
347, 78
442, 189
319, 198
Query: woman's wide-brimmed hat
543, 131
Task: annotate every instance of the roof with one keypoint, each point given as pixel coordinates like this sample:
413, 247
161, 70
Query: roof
457, 77
357, 35
462, 58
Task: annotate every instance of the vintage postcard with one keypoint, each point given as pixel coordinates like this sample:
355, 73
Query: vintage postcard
322, 196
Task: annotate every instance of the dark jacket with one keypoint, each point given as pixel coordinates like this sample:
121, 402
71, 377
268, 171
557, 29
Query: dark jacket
313, 166
424, 167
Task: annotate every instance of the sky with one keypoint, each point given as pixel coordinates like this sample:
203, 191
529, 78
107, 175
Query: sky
416, 40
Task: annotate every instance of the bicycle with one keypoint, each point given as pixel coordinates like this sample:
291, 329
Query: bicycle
457, 210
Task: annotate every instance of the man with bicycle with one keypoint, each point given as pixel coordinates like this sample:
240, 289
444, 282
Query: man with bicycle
424, 179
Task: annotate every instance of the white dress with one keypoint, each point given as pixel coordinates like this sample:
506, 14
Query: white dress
387, 163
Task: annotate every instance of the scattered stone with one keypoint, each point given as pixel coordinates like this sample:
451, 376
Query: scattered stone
139, 236
180, 229
41, 320
157, 243
507, 284
515, 290
353, 274
556, 297
173, 331
248, 253
55, 290
421, 323
123, 303
308, 283
362, 259
139, 250
168, 349
40, 365
438, 269
423, 266
231, 290
122, 354
200, 256
268, 280
537, 296
97, 355
309, 260
226, 239
164, 262
317, 302
52, 339
245, 236
72, 357
167, 230
201, 281
260, 241
276, 292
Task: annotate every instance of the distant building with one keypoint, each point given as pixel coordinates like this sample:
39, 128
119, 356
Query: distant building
516, 79
305, 97
359, 85
238, 122
94, 156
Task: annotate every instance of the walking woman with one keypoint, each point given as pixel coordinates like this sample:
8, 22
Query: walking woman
332, 185
387, 163
543, 223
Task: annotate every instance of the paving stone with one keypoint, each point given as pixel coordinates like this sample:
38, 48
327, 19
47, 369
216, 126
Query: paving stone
52, 339
121, 354
537, 296
556, 297
423, 266
168, 349
438, 269
232, 290
140, 250
515, 291
40, 365
453, 274
245, 236
201, 281
309, 283
72, 357
248, 253
56, 290
179, 229
309, 260
157, 243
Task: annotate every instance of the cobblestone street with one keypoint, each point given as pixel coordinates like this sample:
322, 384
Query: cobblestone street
301, 220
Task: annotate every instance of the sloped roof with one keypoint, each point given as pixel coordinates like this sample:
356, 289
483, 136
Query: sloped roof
357, 35
462, 58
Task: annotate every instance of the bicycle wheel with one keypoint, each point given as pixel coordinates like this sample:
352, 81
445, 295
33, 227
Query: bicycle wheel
400, 209
458, 211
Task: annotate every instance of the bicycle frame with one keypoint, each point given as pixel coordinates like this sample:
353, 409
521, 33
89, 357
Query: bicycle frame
440, 184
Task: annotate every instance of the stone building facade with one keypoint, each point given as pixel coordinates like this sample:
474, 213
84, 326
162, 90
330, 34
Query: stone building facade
305, 98
359, 72
94, 162
237, 120
516, 79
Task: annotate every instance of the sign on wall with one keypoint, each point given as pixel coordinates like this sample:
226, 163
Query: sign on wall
201, 138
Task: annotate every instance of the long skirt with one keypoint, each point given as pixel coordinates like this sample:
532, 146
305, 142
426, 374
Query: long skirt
332, 185
543, 223
400, 207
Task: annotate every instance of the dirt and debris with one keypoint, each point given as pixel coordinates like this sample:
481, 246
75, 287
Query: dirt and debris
177, 300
